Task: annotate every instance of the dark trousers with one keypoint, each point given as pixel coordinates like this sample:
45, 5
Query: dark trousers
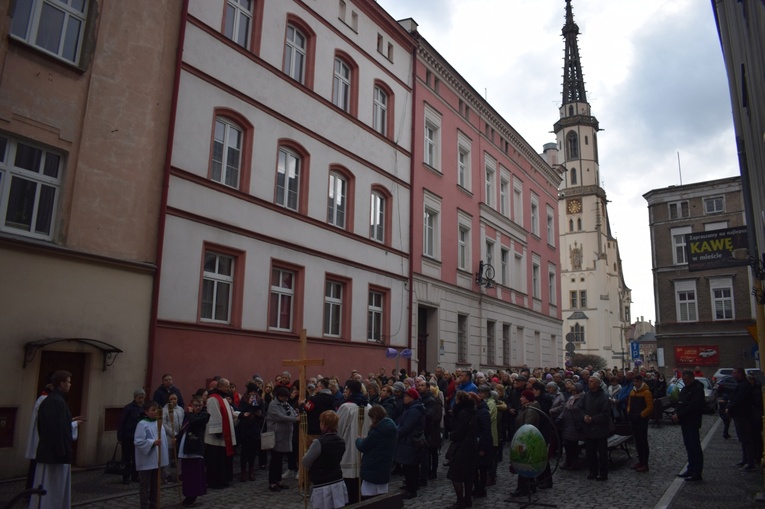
640, 434
147, 491
248, 452
275, 469
424, 454
263, 458
411, 476
216, 467
597, 455
572, 452
692, 442
745, 432
128, 457
433, 451
353, 488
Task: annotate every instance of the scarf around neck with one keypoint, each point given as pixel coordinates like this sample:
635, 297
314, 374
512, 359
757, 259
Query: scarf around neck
225, 416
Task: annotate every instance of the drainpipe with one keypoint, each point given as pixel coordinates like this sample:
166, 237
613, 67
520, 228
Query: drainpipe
163, 203
411, 194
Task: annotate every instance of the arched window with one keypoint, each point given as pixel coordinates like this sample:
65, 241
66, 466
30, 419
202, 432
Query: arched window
572, 145
341, 86
570, 110
570, 225
295, 47
573, 175
380, 215
340, 199
231, 147
382, 109
579, 224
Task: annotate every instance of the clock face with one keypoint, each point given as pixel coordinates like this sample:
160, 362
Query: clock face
574, 206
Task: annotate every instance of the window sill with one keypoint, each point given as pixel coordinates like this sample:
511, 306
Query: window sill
68, 64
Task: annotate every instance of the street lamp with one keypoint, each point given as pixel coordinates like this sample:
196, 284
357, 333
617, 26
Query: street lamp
485, 275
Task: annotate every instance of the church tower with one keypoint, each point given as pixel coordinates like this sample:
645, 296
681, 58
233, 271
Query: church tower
595, 300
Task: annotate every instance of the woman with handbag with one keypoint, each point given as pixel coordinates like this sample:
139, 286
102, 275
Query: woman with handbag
279, 419
192, 452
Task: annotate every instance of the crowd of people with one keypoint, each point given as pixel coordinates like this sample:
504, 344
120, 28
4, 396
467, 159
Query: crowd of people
362, 430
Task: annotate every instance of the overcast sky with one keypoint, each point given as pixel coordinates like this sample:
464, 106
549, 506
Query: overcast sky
655, 79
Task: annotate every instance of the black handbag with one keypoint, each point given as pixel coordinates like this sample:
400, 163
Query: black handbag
113, 466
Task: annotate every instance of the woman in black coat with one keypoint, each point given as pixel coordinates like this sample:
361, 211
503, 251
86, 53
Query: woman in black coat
463, 451
249, 425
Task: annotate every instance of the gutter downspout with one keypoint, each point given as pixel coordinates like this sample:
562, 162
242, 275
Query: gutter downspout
411, 194
163, 203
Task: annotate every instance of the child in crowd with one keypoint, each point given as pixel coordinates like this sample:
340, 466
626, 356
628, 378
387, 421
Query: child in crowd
151, 454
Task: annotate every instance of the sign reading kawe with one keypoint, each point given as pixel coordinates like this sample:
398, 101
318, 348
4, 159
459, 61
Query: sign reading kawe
714, 249
700, 355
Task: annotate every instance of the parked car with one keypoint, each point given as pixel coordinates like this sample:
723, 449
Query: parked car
729, 371
710, 392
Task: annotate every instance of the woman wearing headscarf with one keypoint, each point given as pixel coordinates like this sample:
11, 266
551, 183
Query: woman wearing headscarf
280, 419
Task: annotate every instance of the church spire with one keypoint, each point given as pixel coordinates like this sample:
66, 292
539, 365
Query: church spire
573, 81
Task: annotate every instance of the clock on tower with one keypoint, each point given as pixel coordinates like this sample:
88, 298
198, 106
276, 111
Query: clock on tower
574, 206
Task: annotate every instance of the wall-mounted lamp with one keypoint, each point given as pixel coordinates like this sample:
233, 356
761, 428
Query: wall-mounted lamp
485, 275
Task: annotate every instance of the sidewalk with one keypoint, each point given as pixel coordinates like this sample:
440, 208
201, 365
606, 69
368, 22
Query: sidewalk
723, 486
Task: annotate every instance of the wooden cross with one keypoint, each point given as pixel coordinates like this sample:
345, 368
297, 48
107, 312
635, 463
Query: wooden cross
302, 362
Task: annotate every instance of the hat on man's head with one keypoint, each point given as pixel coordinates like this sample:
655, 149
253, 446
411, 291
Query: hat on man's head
412, 393
529, 395
139, 392
399, 387
521, 378
484, 389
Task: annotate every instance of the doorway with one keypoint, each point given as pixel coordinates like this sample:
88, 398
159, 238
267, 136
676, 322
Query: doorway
427, 338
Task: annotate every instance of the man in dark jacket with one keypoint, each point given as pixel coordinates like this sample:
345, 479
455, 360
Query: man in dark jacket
315, 405
739, 408
432, 426
411, 426
131, 414
167, 388
688, 410
597, 427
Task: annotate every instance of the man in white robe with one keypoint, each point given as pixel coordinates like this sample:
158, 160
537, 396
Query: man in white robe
348, 429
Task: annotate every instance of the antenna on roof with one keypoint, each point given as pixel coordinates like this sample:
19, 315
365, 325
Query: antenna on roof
679, 169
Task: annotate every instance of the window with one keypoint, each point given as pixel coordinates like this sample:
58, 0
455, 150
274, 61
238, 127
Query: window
506, 344
53, 26
717, 225
30, 182
490, 253
551, 286
430, 226
550, 226
679, 209
678, 244
341, 89
504, 197
333, 308
518, 201
380, 111
217, 284
432, 134
505, 266
282, 299
536, 283
462, 338
238, 21
377, 210
463, 161
573, 176
572, 146
227, 153
518, 273
714, 205
578, 332
295, 48
722, 298
288, 179
535, 214
491, 345
685, 301
490, 173
583, 298
337, 200
463, 245
375, 316
574, 299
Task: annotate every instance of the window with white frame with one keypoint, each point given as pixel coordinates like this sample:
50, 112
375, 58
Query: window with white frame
685, 301
217, 284
517, 201
518, 273
341, 86
552, 288
432, 133
574, 299
678, 244
375, 316
505, 266
282, 299
506, 344
463, 161
490, 173
462, 338
238, 21
377, 217
227, 153
550, 226
380, 111
333, 308
288, 179
430, 230
504, 196
295, 47
535, 214
491, 344
721, 290
490, 252
30, 185
679, 209
583, 298
578, 333
54, 26
536, 283
714, 205
337, 200
463, 245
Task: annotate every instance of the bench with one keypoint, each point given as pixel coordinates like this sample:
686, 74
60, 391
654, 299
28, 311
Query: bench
665, 407
390, 500
618, 442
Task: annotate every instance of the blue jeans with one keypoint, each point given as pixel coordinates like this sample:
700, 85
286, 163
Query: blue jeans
692, 442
